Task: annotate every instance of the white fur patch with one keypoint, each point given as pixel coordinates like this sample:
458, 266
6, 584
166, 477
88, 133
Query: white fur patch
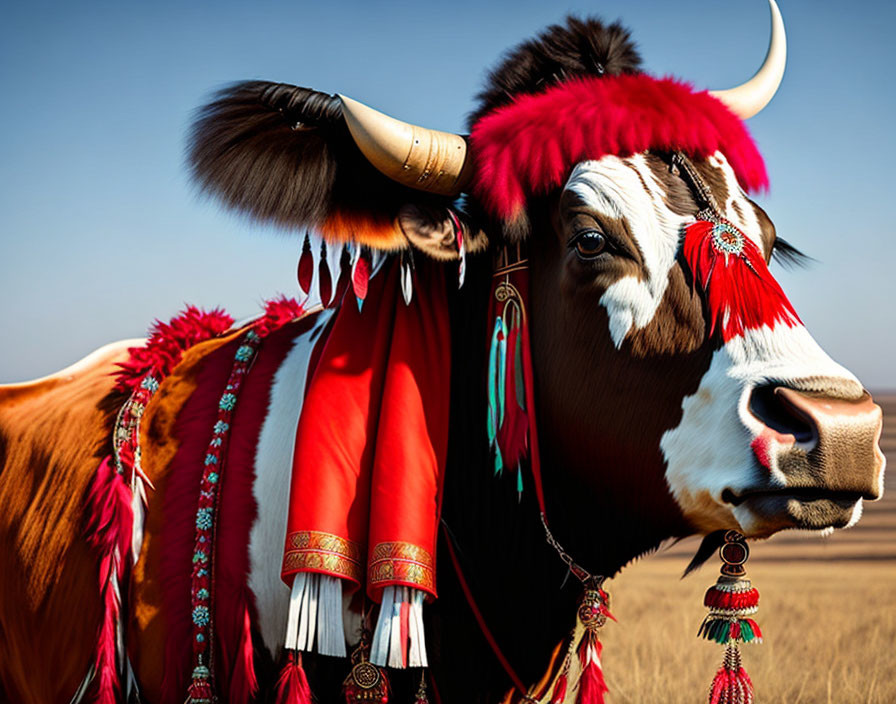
614, 187
709, 451
273, 468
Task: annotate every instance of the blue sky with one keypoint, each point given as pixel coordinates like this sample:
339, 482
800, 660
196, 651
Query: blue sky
100, 230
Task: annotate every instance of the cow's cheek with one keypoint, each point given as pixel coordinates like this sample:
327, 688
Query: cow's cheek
708, 451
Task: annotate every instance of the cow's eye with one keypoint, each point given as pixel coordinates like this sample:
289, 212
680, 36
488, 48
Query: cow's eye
589, 243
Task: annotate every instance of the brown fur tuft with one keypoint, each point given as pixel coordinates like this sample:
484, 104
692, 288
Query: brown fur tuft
283, 155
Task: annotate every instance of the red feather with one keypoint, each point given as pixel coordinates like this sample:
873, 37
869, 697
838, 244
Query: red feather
305, 271
361, 276
741, 292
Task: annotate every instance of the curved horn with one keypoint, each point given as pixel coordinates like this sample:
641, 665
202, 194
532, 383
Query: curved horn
749, 98
414, 156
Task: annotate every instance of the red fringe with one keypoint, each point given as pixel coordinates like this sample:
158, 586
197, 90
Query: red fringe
244, 683
167, 343
109, 534
718, 599
744, 295
292, 685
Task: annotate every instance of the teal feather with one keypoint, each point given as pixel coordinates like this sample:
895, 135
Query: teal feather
492, 384
502, 371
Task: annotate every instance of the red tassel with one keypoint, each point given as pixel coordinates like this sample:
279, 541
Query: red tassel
306, 266
292, 685
243, 683
732, 684
744, 295
592, 686
200, 690
721, 599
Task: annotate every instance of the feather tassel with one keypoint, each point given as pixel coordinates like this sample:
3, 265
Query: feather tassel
109, 533
305, 273
744, 295
360, 275
292, 685
243, 682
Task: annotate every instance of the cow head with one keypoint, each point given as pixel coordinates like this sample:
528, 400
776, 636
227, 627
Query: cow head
646, 393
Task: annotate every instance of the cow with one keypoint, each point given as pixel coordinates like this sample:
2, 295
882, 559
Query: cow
660, 415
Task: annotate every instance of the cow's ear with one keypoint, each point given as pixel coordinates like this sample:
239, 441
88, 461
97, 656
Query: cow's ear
433, 229
283, 155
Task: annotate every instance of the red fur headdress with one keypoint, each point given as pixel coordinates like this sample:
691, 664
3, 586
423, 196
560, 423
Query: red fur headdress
529, 147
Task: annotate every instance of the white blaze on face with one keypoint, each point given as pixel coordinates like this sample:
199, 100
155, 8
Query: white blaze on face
718, 443
615, 188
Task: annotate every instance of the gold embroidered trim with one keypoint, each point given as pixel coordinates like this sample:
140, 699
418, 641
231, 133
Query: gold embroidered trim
313, 550
401, 562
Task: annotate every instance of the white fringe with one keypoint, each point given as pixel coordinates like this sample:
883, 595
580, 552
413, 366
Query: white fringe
388, 647
315, 608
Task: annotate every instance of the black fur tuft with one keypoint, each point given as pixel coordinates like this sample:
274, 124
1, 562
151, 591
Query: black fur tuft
789, 256
283, 155
710, 544
265, 150
581, 47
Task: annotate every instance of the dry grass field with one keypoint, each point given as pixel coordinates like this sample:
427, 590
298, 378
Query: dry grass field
828, 614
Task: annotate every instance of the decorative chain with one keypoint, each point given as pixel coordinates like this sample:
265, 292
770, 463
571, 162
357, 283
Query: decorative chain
583, 575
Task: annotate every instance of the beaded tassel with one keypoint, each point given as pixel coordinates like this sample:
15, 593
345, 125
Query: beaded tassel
421, 697
731, 600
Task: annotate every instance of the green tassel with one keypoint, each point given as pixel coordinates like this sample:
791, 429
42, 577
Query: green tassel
499, 461
519, 480
746, 632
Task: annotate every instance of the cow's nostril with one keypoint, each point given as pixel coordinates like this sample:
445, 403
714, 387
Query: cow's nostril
775, 411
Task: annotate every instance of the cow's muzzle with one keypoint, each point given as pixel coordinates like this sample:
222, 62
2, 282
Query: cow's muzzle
819, 455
